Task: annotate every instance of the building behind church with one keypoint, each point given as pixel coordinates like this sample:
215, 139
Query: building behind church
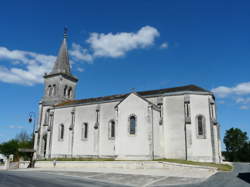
177, 123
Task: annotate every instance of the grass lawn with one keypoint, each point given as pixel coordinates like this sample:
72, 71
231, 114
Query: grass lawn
220, 167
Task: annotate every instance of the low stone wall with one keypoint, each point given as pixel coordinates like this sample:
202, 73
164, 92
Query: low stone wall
13, 165
118, 164
23, 164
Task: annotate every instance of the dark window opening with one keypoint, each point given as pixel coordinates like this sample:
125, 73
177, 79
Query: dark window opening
112, 129
132, 123
200, 126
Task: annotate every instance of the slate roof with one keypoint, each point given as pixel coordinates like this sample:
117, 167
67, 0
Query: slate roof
62, 62
141, 93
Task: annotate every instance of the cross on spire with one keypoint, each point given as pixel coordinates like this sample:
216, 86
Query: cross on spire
65, 32
132, 89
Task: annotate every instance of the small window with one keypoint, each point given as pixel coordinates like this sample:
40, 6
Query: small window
84, 132
54, 89
187, 109
61, 132
112, 129
200, 126
49, 90
69, 92
65, 90
132, 125
212, 112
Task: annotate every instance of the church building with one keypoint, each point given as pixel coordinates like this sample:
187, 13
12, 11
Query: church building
178, 123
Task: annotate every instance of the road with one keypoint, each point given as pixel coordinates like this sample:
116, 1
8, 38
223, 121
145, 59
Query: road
39, 179
240, 177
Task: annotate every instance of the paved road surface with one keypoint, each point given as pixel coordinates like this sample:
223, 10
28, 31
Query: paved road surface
240, 177
38, 179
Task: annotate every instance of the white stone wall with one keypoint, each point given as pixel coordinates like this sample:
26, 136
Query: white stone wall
174, 121
172, 139
158, 136
97, 143
60, 83
201, 148
39, 146
136, 146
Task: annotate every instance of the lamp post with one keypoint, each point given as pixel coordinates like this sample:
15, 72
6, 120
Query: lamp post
32, 118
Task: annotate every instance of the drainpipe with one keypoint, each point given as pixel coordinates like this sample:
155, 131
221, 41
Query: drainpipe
97, 128
73, 132
185, 130
187, 115
51, 126
72, 128
152, 118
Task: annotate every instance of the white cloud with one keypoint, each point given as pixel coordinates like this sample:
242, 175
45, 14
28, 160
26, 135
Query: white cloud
80, 69
221, 102
114, 45
16, 126
240, 89
27, 67
164, 45
244, 107
243, 100
80, 53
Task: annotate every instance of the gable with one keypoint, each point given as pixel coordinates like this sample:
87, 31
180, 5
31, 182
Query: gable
135, 99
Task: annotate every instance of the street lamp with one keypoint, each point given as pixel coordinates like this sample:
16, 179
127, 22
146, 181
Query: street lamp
32, 117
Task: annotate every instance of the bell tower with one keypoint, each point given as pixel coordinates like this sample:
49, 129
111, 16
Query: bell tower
60, 84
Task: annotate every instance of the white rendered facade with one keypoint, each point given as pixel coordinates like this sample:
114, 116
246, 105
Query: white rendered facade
175, 123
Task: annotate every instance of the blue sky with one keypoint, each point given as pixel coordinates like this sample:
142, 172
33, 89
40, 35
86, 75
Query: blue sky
119, 45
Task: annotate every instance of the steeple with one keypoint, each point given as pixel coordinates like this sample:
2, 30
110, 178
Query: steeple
62, 64
60, 84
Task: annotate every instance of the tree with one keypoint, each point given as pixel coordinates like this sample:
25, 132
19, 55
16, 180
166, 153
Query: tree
22, 140
237, 145
10, 147
23, 136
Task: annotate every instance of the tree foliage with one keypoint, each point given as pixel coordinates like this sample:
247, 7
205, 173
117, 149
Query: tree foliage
237, 145
22, 140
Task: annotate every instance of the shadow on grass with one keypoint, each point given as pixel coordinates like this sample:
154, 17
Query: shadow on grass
244, 176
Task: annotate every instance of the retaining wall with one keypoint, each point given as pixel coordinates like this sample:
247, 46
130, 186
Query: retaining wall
118, 164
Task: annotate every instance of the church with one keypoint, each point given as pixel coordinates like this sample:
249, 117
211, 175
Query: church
177, 123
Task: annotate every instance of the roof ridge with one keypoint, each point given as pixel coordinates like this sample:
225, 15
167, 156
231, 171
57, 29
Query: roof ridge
190, 87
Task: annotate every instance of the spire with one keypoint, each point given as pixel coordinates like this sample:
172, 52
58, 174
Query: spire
62, 62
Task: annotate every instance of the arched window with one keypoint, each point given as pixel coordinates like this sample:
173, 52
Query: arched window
49, 90
54, 89
65, 90
132, 124
84, 133
69, 92
111, 129
61, 132
201, 127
